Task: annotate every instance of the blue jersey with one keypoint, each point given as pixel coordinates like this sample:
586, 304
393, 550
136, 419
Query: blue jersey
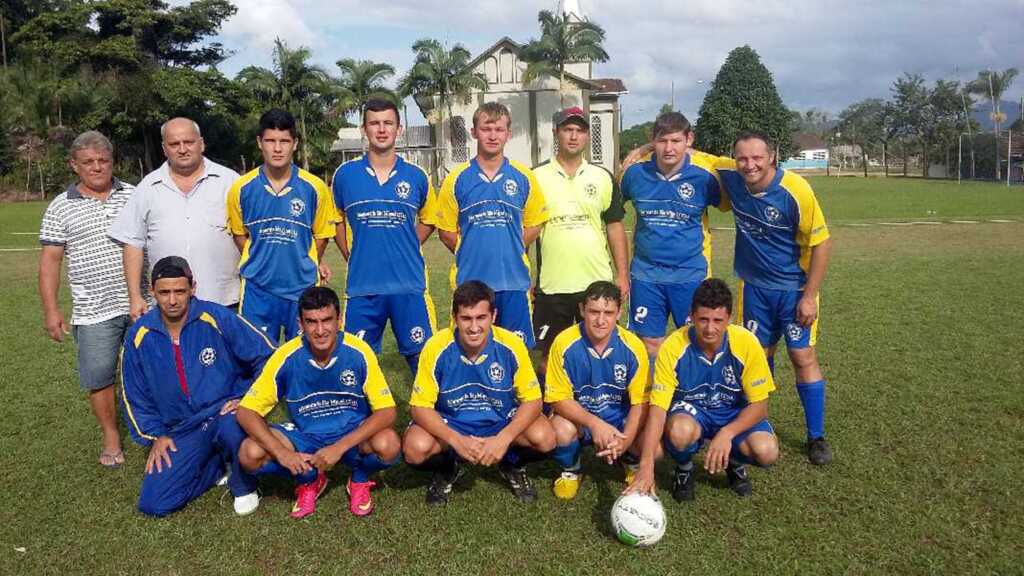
489, 216
685, 379
606, 384
325, 400
478, 393
672, 241
220, 355
380, 225
775, 230
280, 253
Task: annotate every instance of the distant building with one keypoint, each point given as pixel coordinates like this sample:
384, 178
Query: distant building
813, 153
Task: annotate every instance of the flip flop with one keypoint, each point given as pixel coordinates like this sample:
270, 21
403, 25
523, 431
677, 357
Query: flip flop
111, 459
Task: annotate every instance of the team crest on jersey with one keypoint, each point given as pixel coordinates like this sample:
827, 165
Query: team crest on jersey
511, 188
794, 332
730, 375
417, 334
686, 191
348, 378
772, 213
620, 373
591, 190
297, 206
208, 356
402, 189
495, 372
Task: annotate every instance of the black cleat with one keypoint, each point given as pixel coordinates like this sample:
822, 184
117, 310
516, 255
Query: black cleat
739, 481
682, 483
519, 482
441, 485
818, 452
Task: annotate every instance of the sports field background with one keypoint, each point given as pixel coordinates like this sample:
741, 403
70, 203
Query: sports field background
920, 340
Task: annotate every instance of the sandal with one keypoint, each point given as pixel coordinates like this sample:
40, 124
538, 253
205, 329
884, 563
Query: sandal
111, 459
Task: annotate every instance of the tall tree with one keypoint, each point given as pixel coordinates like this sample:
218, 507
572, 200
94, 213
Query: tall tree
293, 84
438, 78
562, 41
909, 98
364, 79
992, 84
743, 97
862, 124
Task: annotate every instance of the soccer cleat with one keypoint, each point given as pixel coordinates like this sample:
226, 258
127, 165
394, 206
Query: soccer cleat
247, 504
518, 481
359, 501
682, 483
630, 464
306, 495
818, 451
739, 481
567, 485
440, 487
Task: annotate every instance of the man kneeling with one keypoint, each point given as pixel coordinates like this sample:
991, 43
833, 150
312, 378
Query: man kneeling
340, 408
185, 364
596, 384
476, 399
711, 383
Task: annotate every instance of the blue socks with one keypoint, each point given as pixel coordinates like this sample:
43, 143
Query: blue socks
812, 396
272, 467
368, 465
568, 456
682, 457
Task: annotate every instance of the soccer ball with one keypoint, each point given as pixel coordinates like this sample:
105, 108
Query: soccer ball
638, 520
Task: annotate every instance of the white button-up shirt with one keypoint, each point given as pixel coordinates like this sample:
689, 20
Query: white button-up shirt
166, 221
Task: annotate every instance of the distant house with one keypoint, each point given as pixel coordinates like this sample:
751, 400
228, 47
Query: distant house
812, 153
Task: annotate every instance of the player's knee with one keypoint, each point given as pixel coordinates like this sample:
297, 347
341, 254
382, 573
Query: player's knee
251, 455
541, 435
682, 431
652, 345
764, 448
417, 446
565, 431
804, 358
386, 444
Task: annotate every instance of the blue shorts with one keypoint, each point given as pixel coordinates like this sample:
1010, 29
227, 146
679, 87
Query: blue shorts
650, 305
515, 314
412, 319
99, 347
587, 437
310, 443
710, 425
268, 312
771, 314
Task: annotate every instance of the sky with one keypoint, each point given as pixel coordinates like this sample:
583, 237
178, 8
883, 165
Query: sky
823, 55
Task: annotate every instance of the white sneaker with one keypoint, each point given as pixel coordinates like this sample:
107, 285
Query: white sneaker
247, 504
223, 480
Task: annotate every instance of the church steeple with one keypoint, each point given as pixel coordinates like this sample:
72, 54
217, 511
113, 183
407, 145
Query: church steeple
571, 10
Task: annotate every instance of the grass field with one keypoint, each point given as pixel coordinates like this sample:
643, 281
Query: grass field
920, 340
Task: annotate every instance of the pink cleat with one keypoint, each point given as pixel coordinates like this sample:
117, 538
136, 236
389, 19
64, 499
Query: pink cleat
359, 501
306, 495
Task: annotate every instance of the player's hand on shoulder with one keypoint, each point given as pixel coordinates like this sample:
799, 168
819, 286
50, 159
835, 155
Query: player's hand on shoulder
636, 154
229, 407
160, 454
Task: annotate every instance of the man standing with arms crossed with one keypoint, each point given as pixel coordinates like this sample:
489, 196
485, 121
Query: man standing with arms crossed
490, 209
782, 251
388, 210
585, 215
180, 209
76, 224
282, 218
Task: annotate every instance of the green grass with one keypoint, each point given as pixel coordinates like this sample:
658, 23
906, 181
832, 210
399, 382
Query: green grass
920, 339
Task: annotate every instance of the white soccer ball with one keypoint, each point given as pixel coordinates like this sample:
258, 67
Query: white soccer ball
638, 520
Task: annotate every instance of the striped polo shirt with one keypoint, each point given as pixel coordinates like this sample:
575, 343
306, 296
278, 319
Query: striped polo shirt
80, 225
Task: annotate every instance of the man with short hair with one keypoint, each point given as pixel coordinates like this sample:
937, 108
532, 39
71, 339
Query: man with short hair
782, 251
388, 210
711, 385
597, 387
476, 399
490, 210
180, 209
670, 192
339, 405
282, 218
186, 364
75, 224
585, 215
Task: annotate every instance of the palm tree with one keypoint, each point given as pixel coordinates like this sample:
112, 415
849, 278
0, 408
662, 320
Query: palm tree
363, 80
993, 84
438, 78
562, 41
293, 84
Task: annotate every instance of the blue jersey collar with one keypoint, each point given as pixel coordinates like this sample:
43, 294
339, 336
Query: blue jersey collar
293, 179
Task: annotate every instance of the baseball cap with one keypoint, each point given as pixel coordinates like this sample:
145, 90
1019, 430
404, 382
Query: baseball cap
171, 267
573, 113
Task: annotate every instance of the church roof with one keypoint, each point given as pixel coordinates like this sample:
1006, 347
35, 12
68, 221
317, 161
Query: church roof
602, 85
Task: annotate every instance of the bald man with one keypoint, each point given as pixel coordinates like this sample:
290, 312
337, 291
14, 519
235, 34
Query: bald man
180, 209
